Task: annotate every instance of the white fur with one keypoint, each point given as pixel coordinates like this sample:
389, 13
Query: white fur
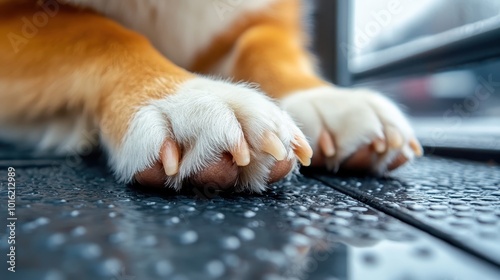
180, 29
209, 117
355, 117
206, 118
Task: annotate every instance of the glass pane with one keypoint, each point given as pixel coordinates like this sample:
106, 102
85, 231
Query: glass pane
403, 26
463, 100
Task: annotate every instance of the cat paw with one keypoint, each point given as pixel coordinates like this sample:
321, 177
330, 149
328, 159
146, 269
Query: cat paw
353, 129
210, 134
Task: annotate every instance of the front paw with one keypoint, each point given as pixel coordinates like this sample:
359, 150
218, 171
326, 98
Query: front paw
210, 133
353, 129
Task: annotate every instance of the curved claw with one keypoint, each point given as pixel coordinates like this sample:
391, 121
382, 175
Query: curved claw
303, 151
273, 146
241, 154
416, 147
394, 138
326, 144
379, 145
170, 157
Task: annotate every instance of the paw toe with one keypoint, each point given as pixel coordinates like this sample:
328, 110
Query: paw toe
152, 177
280, 170
361, 160
221, 175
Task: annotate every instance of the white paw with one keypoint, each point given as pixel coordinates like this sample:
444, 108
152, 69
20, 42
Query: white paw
210, 133
353, 129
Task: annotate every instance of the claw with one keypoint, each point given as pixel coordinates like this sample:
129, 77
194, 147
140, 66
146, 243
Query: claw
379, 145
242, 154
394, 138
273, 146
326, 144
170, 157
303, 151
416, 147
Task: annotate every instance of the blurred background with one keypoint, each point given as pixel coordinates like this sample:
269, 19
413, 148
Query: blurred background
440, 59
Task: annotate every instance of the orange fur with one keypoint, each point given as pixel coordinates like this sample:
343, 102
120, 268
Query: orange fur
79, 63
270, 50
76, 63
84, 67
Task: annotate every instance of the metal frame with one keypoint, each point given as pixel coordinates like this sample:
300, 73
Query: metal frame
438, 56
334, 63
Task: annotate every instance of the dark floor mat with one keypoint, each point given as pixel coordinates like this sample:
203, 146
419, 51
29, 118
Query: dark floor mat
75, 222
457, 201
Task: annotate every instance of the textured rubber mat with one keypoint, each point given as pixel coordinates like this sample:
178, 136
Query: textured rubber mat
75, 222
458, 201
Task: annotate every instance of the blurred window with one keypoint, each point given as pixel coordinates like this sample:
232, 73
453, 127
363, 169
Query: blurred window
431, 55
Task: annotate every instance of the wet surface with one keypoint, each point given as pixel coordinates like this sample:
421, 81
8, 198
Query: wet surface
75, 222
457, 201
